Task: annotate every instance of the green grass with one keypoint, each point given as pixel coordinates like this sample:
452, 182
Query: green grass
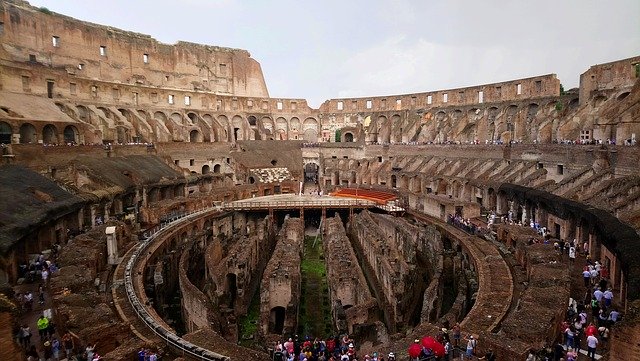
249, 322
313, 267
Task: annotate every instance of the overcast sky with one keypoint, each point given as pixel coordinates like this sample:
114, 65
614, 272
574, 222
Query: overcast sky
346, 48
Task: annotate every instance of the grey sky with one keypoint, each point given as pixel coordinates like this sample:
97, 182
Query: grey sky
341, 48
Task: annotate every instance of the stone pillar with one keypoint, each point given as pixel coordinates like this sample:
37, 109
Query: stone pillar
112, 245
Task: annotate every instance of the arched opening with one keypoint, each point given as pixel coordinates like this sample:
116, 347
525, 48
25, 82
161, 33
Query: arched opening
49, 134
622, 96
83, 113
192, 117
195, 136
206, 169
276, 320
251, 180
394, 180
5, 133
232, 289
574, 103
252, 120
311, 172
28, 134
217, 168
599, 100
122, 135
70, 134
310, 135
176, 118
348, 137
236, 133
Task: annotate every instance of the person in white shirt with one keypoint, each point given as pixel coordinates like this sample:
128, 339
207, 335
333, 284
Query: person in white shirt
592, 343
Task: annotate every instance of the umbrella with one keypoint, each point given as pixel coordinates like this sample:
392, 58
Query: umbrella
435, 346
415, 350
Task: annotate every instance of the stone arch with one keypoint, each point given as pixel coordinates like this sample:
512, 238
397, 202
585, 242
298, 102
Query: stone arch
310, 135
217, 169
223, 122
28, 134
193, 117
160, 116
575, 102
208, 118
267, 124
49, 134
599, 100
6, 132
71, 134
281, 129
122, 135
383, 129
206, 169
396, 124
177, 117
253, 121
195, 136
83, 113
277, 316
294, 128
239, 125
622, 95
347, 137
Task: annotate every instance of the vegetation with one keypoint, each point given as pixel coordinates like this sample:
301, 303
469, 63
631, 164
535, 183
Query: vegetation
249, 323
44, 10
338, 135
315, 313
562, 92
559, 106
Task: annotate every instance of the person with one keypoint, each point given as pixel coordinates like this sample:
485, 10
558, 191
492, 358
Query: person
142, 354
471, 346
592, 343
456, 335
558, 352
608, 297
572, 254
43, 326
25, 336
447, 350
604, 335
32, 354
392, 357
48, 350
67, 342
55, 348
586, 275
89, 351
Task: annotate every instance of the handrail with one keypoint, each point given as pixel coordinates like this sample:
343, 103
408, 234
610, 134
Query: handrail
170, 337
253, 204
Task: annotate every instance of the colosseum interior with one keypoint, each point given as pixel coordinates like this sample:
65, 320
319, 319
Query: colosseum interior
189, 212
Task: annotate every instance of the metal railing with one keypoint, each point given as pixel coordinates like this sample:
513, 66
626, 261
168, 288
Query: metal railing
253, 204
141, 310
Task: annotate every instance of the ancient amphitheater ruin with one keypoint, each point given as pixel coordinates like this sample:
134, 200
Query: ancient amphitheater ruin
187, 211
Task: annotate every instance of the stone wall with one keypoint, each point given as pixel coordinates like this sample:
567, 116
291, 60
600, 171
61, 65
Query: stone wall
351, 300
280, 287
84, 50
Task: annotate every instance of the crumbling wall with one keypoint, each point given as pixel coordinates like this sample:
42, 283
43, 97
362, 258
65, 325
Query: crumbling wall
280, 287
351, 300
